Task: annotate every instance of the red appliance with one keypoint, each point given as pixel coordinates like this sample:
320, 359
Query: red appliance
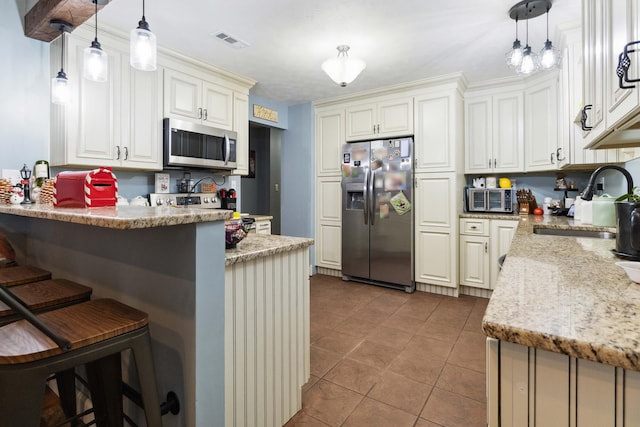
85, 189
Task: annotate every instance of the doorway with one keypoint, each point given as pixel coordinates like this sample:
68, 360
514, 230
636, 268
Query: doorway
260, 190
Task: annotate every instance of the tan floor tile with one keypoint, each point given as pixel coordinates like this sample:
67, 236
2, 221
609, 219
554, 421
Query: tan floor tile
466, 382
322, 360
452, 410
420, 309
374, 354
330, 403
326, 319
338, 342
372, 413
302, 419
425, 423
403, 322
420, 346
400, 392
312, 380
448, 316
474, 322
317, 332
423, 369
354, 375
369, 315
440, 332
390, 336
388, 303
469, 351
357, 329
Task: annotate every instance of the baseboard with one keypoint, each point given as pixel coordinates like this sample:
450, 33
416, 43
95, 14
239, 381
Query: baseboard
475, 292
435, 289
329, 271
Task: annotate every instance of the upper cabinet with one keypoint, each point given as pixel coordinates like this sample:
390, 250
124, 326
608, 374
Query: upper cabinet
541, 125
241, 126
494, 134
191, 98
380, 118
329, 140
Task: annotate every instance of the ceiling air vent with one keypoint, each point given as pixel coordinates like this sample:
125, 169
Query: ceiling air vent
232, 41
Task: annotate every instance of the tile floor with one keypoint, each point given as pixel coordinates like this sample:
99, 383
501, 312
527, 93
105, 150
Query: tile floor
382, 357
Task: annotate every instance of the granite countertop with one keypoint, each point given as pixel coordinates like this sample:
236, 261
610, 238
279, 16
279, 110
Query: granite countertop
566, 295
119, 217
262, 245
484, 215
259, 217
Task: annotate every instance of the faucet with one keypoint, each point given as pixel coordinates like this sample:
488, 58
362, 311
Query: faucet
587, 194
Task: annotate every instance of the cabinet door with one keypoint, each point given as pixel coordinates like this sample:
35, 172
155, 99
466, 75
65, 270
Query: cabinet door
361, 121
621, 28
435, 124
182, 96
435, 198
474, 261
478, 135
501, 234
241, 127
395, 117
508, 132
217, 106
329, 223
329, 246
594, 65
329, 140
435, 258
541, 126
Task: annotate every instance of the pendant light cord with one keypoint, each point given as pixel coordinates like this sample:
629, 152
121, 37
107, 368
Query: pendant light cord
143, 18
62, 56
96, 3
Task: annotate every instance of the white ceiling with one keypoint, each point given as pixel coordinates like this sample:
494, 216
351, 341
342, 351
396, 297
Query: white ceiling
400, 40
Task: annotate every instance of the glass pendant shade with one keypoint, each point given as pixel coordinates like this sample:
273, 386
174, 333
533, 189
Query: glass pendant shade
529, 63
143, 49
96, 63
549, 56
60, 89
343, 69
514, 56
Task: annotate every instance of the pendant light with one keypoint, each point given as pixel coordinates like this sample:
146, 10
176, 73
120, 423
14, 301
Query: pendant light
343, 69
514, 56
142, 45
529, 64
60, 83
549, 56
96, 61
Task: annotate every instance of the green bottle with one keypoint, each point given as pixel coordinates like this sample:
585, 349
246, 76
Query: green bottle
40, 172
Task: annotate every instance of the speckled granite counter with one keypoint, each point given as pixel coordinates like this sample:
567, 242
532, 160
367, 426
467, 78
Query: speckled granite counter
566, 295
262, 245
119, 217
481, 215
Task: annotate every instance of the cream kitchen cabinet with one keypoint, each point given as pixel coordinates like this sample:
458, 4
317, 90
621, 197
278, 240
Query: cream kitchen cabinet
117, 123
494, 133
241, 126
541, 124
329, 223
191, 98
380, 118
593, 71
436, 250
438, 131
482, 243
329, 140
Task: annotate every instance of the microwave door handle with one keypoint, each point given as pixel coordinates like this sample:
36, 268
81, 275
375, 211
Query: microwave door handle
227, 148
365, 195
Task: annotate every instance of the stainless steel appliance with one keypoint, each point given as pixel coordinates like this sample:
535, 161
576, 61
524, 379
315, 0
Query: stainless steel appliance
490, 199
377, 213
197, 200
189, 144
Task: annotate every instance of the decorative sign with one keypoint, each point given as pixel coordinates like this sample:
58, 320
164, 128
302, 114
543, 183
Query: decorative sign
265, 113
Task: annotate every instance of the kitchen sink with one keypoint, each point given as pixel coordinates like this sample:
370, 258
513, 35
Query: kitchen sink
568, 232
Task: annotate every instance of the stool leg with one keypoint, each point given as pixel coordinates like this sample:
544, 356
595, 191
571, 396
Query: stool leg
147, 376
21, 398
105, 384
67, 390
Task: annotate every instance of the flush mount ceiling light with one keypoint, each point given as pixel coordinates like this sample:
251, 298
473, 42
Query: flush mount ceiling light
60, 83
524, 61
343, 69
143, 50
96, 61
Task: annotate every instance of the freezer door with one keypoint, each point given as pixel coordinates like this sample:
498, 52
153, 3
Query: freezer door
355, 214
391, 247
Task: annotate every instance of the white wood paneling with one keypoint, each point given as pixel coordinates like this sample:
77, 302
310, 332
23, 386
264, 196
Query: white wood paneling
595, 395
514, 385
551, 389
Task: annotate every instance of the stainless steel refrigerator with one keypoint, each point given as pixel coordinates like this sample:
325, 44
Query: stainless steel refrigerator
377, 212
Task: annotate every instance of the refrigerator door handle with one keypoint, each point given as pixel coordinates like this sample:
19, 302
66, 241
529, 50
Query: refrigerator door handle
372, 196
366, 196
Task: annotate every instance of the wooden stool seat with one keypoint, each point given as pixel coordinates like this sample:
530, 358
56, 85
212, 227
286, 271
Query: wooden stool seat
45, 295
22, 274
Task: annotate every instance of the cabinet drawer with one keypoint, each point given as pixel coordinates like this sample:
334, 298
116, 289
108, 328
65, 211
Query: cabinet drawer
475, 227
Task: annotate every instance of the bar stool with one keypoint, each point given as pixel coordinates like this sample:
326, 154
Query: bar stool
95, 333
21, 274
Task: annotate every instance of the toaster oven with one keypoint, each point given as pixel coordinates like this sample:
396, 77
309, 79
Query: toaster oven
490, 200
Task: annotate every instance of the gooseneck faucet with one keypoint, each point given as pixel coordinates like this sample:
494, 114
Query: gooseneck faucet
587, 194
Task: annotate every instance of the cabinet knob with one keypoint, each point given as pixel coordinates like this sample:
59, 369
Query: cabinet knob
126, 153
486, 247
204, 114
558, 157
495, 163
552, 154
117, 152
473, 227
199, 113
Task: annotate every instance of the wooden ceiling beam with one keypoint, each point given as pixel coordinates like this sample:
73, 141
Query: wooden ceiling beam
75, 12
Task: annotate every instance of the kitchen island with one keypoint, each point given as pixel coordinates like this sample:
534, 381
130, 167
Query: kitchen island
172, 264
564, 333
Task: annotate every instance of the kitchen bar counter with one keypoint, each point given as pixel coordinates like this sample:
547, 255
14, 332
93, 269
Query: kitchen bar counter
263, 245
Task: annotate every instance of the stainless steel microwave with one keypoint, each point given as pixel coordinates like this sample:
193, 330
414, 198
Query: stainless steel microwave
490, 199
194, 145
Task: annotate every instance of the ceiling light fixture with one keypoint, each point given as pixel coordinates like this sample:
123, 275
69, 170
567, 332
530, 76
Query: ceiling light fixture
527, 62
143, 51
549, 56
96, 61
60, 83
343, 69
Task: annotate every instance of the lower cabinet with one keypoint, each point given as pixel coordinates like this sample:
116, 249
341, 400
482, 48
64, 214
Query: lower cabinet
328, 245
482, 243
